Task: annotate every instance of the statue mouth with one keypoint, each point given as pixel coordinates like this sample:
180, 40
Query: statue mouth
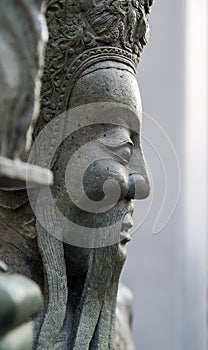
127, 224
124, 237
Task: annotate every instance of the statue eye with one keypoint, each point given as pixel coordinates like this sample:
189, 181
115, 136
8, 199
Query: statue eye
125, 152
122, 151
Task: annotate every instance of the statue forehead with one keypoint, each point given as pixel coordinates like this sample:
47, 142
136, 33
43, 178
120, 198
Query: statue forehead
107, 133
102, 127
112, 84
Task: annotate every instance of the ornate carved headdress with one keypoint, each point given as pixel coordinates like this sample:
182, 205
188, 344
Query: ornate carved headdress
84, 32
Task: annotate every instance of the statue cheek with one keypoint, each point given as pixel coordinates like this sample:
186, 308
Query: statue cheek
103, 173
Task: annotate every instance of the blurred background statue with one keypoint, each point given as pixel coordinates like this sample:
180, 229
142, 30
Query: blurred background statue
23, 35
20, 300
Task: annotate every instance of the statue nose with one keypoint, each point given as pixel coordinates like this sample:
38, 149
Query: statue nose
139, 187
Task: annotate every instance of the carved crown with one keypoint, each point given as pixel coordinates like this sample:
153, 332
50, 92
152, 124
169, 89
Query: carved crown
84, 32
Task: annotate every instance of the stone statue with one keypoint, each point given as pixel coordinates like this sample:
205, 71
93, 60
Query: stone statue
20, 299
91, 60
23, 35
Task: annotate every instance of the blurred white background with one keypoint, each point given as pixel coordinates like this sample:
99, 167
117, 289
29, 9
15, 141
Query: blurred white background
167, 272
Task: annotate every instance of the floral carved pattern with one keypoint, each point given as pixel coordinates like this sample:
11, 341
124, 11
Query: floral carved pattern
80, 29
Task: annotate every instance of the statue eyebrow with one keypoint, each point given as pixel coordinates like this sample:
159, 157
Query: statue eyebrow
123, 143
116, 143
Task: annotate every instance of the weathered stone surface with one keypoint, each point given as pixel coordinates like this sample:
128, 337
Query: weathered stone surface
91, 57
82, 31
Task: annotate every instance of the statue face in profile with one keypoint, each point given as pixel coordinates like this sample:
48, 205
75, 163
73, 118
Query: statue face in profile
99, 168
